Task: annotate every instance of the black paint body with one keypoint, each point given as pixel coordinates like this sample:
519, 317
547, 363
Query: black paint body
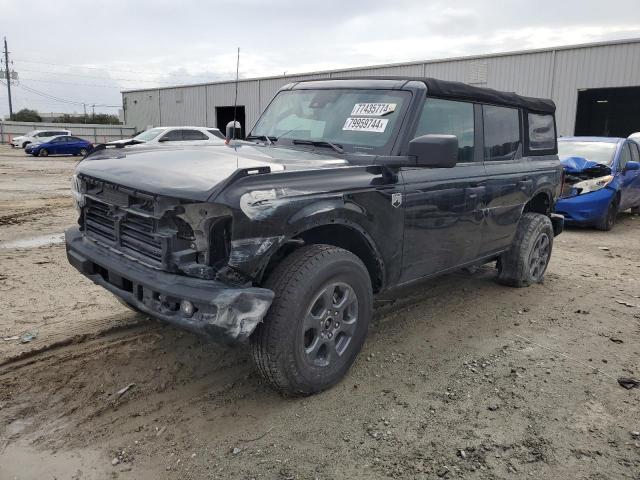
406, 223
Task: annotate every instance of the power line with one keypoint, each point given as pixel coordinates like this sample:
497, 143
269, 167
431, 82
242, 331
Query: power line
62, 100
113, 68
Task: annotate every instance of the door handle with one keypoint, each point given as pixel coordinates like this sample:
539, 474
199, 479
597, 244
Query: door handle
524, 185
474, 192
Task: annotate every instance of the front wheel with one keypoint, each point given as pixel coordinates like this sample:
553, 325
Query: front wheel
44, 152
318, 321
608, 220
83, 152
528, 257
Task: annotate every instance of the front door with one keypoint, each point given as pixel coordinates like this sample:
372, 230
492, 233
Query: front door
444, 206
628, 178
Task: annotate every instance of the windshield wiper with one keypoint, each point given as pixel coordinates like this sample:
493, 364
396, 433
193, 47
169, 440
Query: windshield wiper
319, 143
266, 138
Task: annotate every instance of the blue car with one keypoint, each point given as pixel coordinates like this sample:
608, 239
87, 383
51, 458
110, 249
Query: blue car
61, 145
602, 178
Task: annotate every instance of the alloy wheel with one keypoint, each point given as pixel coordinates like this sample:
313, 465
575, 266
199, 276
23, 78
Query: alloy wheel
539, 257
330, 324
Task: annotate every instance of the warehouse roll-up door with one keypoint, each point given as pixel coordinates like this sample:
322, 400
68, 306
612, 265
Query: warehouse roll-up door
609, 112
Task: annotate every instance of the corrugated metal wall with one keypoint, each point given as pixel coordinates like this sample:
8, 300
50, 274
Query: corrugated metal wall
557, 73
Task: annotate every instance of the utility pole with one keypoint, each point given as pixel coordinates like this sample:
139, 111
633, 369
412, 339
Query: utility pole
8, 76
84, 105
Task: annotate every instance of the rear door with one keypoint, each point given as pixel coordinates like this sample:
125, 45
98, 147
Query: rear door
443, 206
509, 179
635, 184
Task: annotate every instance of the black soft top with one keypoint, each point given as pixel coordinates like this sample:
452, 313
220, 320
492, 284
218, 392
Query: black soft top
459, 90
437, 88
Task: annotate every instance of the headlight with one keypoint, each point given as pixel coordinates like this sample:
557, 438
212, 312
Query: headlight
592, 184
78, 197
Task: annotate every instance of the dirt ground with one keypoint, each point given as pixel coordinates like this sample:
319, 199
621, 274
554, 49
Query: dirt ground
459, 378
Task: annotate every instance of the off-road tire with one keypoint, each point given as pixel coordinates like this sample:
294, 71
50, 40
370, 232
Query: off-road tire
278, 343
608, 220
514, 266
44, 153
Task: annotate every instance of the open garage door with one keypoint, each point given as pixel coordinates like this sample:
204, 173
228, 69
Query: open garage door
609, 112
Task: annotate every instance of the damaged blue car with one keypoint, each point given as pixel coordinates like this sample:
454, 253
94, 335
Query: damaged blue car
602, 178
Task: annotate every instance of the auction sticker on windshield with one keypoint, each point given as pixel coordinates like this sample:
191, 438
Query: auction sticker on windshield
366, 124
373, 109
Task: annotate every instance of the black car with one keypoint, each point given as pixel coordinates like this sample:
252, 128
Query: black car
345, 188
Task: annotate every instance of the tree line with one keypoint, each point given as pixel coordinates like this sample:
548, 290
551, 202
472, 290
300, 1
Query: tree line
27, 115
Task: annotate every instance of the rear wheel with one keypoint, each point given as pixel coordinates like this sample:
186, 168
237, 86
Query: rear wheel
609, 218
44, 152
318, 321
527, 259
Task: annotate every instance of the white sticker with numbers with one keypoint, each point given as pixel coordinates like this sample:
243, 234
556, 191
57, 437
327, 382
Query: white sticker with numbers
366, 124
373, 109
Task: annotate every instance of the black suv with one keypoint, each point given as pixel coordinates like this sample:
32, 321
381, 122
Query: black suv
344, 189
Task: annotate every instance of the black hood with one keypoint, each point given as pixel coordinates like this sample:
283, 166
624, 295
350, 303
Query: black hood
192, 172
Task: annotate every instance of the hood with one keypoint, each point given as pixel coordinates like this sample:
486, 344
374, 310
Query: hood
582, 167
193, 172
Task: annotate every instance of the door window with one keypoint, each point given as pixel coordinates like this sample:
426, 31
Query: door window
172, 136
625, 156
635, 152
193, 135
447, 117
501, 132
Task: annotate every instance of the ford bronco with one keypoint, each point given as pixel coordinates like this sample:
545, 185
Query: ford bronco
345, 188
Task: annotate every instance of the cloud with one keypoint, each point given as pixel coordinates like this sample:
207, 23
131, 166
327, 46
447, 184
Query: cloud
99, 49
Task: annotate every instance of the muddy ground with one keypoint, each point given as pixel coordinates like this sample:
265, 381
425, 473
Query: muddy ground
460, 377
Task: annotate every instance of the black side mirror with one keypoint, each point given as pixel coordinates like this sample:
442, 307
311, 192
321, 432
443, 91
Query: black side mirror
438, 151
230, 130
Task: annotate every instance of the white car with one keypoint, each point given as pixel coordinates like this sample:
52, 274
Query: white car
174, 136
635, 137
37, 136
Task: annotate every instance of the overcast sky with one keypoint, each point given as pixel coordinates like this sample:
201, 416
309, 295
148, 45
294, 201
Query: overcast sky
86, 52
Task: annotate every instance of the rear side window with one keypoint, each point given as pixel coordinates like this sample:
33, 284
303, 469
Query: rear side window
501, 132
542, 132
449, 118
193, 135
216, 133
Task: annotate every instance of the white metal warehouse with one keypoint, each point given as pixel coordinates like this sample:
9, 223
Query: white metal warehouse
596, 88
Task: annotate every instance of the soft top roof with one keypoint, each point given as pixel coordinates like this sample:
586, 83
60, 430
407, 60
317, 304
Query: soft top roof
437, 88
446, 89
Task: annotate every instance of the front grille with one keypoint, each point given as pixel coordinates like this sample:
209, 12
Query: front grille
99, 220
136, 233
124, 230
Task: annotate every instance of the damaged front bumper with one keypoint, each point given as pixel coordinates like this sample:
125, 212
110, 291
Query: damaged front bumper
587, 208
220, 312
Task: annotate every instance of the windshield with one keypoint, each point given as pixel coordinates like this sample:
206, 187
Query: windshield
357, 120
599, 152
149, 134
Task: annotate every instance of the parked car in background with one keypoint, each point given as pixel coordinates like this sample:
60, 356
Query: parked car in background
61, 145
602, 178
37, 136
635, 137
173, 136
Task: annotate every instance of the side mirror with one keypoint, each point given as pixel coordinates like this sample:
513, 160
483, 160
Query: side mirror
438, 151
632, 166
230, 130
